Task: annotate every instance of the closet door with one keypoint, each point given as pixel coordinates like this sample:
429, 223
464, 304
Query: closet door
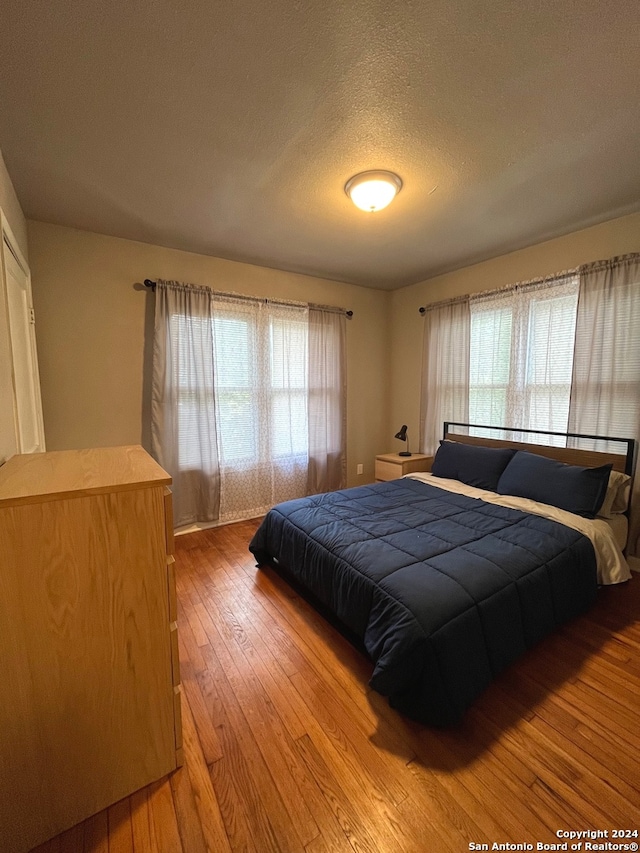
26, 381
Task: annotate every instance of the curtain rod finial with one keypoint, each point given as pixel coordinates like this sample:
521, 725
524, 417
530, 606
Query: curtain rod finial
151, 284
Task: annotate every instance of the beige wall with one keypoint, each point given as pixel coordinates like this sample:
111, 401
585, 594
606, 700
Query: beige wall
94, 335
15, 218
12, 210
615, 237
94, 327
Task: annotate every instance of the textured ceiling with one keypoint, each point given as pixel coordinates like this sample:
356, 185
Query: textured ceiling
230, 128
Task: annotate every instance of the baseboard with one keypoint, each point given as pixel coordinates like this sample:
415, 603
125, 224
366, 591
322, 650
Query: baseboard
193, 528
207, 525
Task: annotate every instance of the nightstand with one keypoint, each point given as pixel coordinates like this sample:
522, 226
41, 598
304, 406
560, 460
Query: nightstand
391, 466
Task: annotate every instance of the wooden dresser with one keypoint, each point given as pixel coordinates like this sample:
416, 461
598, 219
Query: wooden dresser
90, 708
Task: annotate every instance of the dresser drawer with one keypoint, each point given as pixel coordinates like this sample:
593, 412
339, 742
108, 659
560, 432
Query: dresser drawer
387, 470
391, 466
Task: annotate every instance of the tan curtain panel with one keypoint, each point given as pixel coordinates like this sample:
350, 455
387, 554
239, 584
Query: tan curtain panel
327, 406
183, 413
445, 371
605, 390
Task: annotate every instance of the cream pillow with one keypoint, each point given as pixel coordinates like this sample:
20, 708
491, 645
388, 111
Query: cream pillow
616, 499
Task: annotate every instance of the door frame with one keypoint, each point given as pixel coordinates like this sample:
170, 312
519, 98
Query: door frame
10, 244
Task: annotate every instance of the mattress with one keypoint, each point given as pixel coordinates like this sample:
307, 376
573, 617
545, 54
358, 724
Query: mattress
445, 590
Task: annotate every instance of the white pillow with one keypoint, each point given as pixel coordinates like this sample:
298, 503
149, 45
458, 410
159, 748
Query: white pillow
616, 499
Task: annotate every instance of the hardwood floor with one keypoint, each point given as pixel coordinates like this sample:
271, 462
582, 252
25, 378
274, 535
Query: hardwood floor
286, 748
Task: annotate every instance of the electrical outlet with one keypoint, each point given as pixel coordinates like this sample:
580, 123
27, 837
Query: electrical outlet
360, 469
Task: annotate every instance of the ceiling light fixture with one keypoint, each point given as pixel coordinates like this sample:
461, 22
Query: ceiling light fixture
372, 191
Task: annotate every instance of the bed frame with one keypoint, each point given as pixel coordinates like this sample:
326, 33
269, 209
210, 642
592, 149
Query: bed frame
623, 460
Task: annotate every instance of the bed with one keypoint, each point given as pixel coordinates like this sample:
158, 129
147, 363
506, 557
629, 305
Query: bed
448, 577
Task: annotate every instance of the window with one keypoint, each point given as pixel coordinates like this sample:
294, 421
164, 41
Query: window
490, 364
191, 338
287, 381
255, 392
260, 384
233, 350
521, 356
260, 355
536, 357
248, 401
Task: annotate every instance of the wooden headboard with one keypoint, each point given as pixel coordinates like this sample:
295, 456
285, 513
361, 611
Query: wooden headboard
623, 461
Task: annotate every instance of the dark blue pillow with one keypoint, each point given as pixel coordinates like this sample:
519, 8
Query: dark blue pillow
571, 487
471, 464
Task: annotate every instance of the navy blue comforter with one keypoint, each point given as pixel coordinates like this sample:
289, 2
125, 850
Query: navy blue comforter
443, 589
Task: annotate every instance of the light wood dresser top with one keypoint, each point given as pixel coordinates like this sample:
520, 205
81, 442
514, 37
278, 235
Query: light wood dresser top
34, 477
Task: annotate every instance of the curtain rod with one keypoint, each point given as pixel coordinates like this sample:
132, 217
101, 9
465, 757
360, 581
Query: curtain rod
520, 285
152, 284
593, 266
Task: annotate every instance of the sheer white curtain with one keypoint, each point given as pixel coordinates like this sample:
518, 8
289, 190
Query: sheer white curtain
521, 355
605, 391
183, 417
261, 355
248, 401
327, 384
445, 370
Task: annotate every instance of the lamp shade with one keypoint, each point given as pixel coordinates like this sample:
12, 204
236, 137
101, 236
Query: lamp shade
372, 191
402, 434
